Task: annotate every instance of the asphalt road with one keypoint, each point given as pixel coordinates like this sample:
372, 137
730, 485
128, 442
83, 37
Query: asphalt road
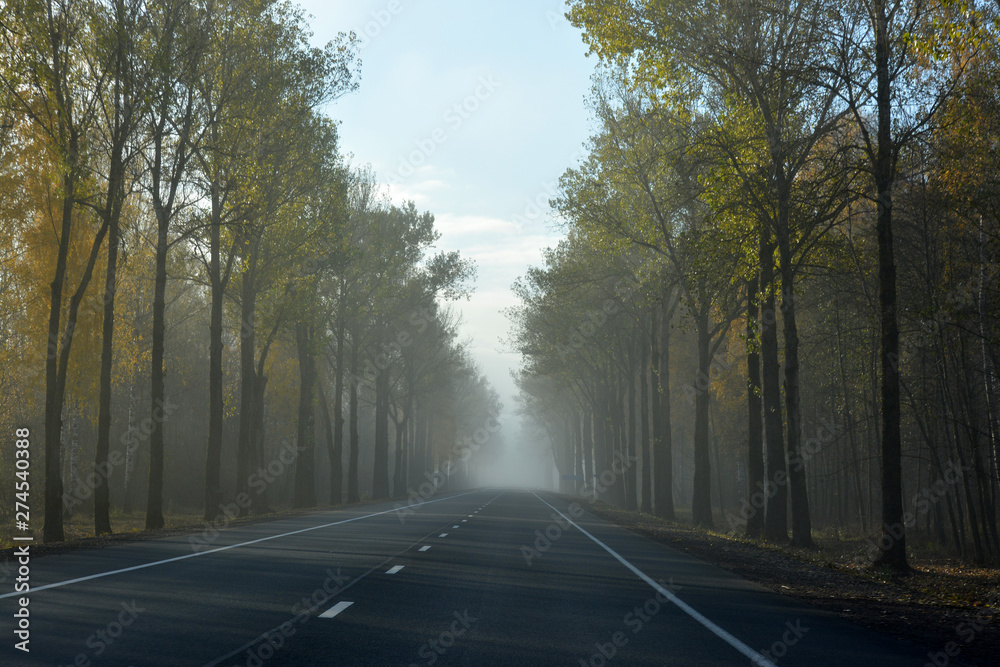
487, 577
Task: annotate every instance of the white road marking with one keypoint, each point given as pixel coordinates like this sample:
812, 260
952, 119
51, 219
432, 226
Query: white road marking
394, 569
454, 526
443, 535
336, 609
264, 636
464, 520
755, 657
195, 554
424, 548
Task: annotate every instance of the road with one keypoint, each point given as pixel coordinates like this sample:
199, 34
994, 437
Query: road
487, 577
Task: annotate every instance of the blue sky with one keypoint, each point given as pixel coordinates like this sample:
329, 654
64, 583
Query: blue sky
473, 110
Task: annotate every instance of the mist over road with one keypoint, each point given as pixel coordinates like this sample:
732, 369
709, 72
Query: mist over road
487, 577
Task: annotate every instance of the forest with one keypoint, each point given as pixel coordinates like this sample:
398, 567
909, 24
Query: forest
205, 308
776, 311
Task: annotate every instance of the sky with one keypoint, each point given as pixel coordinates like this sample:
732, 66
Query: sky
472, 110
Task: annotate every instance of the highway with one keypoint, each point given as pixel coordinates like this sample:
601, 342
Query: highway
485, 577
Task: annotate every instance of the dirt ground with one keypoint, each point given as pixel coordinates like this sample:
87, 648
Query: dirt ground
942, 600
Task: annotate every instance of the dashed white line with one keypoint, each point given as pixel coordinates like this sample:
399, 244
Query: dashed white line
197, 554
454, 526
394, 569
464, 520
443, 535
424, 548
336, 609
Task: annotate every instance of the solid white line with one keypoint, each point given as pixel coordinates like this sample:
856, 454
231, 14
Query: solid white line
424, 548
218, 549
394, 569
443, 535
336, 609
755, 657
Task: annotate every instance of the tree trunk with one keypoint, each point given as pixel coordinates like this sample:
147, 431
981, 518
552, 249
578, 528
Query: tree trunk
380, 474
588, 448
54, 389
645, 502
755, 435
663, 456
216, 399
801, 523
305, 461
893, 542
102, 497
701, 502
328, 433
154, 497
248, 378
337, 455
352, 465
631, 439
775, 487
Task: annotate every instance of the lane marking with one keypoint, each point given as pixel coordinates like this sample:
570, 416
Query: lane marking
195, 554
755, 657
424, 548
394, 569
263, 637
464, 520
336, 609
443, 535
454, 526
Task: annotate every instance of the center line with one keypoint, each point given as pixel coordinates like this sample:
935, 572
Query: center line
336, 609
197, 554
394, 569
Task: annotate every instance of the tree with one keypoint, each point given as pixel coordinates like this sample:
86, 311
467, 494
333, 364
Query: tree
49, 85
